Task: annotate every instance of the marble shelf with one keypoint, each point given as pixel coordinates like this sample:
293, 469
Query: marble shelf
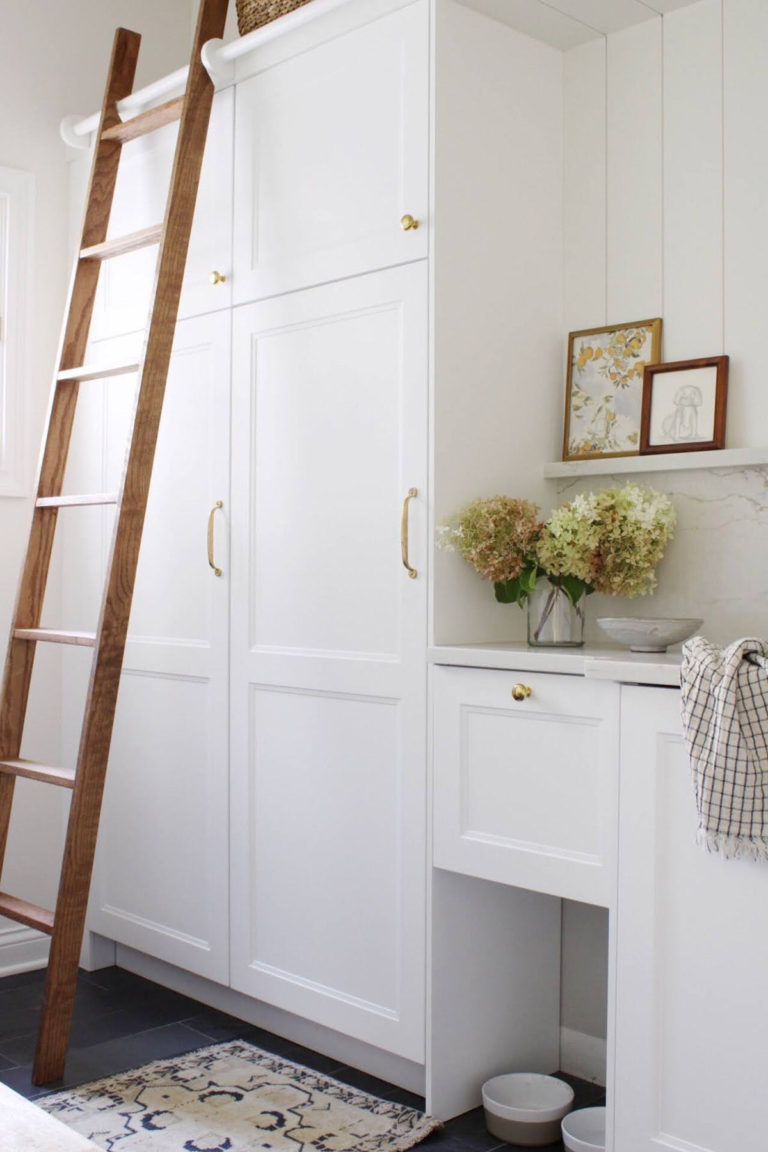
666, 462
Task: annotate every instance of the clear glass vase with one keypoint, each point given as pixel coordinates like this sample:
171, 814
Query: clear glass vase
554, 621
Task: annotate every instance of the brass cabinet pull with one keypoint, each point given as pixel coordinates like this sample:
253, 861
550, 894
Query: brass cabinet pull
521, 692
219, 504
408, 223
412, 492
218, 277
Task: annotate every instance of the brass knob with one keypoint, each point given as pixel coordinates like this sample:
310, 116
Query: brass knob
408, 223
521, 692
218, 278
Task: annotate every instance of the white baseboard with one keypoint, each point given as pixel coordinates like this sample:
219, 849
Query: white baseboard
583, 1055
22, 950
345, 1049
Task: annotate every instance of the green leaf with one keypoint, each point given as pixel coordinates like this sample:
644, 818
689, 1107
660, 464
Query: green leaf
507, 591
574, 588
518, 590
528, 578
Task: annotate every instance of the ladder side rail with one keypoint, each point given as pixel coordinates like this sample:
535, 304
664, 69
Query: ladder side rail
101, 701
61, 411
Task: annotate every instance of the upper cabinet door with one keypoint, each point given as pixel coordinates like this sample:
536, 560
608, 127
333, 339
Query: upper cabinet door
332, 151
208, 278
125, 283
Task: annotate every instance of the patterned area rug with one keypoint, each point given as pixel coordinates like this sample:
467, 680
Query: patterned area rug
234, 1098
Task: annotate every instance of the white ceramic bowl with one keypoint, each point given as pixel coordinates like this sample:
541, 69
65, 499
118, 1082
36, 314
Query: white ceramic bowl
584, 1130
525, 1107
647, 634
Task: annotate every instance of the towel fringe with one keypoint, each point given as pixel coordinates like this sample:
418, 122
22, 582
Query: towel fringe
733, 847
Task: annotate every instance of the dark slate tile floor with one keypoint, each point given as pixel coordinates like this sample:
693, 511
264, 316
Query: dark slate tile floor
122, 1021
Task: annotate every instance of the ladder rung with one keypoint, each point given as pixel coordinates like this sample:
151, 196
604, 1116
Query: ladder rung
123, 244
97, 372
76, 501
64, 777
145, 122
85, 639
26, 913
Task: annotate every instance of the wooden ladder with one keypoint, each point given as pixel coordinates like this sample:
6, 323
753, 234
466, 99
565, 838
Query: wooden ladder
66, 924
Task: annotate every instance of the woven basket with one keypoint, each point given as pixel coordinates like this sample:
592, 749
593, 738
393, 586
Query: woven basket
253, 13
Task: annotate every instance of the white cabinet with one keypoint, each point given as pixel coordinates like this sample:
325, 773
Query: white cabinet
320, 681
344, 335
691, 1014
519, 799
526, 789
332, 150
328, 686
122, 300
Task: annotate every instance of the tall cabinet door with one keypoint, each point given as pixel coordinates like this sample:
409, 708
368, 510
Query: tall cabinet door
161, 874
692, 1014
328, 642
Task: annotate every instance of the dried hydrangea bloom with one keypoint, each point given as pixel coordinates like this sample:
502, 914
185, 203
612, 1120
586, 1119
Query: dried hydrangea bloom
497, 536
611, 539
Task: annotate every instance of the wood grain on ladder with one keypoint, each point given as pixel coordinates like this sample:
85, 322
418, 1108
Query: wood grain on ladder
66, 923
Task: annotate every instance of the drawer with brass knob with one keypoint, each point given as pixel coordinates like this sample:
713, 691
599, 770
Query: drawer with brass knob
525, 779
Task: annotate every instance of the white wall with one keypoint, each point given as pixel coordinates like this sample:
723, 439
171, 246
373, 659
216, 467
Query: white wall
497, 288
53, 60
665, 216
583, 984
679, 232
665, 170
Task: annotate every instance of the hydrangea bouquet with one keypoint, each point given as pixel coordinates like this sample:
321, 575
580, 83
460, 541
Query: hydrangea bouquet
608, 541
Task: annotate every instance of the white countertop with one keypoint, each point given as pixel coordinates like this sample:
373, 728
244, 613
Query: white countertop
601, 662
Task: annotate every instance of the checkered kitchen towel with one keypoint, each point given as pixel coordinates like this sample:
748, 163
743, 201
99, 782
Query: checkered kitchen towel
725, 719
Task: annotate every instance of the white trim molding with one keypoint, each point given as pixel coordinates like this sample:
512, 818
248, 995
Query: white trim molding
17, 192
583, 1056
300, 1030
22, 949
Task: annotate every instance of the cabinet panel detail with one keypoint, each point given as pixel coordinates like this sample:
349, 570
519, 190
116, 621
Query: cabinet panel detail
338, 755
551, 808
525, 790
159, 782
328, 393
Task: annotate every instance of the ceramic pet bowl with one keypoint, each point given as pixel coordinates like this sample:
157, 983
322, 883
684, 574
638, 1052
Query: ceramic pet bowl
584, 1130
647, 634
526, 1108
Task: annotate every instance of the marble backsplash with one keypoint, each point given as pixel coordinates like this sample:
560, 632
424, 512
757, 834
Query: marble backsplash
716, 568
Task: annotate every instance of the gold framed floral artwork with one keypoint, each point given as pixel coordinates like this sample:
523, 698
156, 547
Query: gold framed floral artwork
604, 389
